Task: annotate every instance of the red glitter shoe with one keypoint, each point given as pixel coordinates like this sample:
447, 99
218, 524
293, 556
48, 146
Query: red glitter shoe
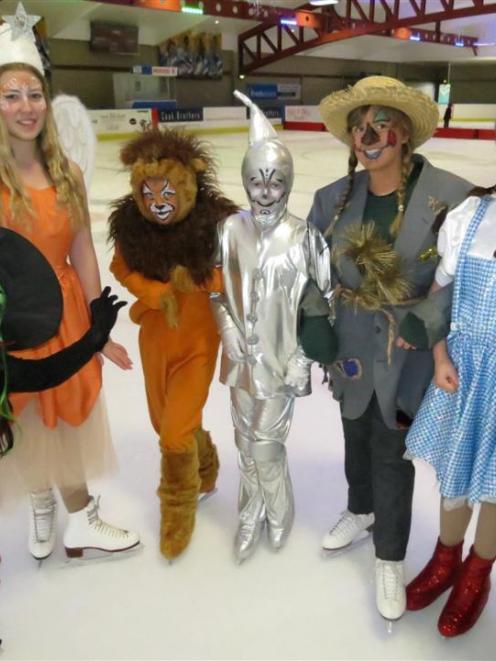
468, 597
437, 576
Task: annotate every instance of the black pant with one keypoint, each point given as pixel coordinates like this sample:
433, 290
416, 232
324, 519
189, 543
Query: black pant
379, 479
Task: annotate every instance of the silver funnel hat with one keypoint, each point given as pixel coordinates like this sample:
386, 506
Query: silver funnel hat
267, 169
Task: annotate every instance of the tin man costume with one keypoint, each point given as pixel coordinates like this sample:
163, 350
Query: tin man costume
268, 257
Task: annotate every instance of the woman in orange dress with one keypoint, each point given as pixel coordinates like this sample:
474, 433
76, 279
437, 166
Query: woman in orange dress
62, 433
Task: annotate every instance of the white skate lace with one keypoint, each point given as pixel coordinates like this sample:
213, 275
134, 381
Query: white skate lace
347, 523
102, 526
43, 511
391, 581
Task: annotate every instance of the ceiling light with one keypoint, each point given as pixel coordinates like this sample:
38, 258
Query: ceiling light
191, 7
323, 3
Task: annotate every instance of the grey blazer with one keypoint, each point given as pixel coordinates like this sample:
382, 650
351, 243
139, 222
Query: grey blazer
399, 385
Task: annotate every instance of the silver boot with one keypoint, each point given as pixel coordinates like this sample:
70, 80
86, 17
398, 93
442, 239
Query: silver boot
251, 509
273, 475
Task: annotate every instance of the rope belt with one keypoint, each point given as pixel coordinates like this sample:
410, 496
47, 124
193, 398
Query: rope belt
353, 297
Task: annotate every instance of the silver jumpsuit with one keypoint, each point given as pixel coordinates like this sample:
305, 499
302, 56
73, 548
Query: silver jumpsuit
268, 256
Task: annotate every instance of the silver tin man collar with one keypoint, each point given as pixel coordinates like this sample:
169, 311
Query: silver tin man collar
267, 169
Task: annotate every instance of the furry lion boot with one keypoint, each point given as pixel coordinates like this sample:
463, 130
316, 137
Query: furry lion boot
178, 493
209, 460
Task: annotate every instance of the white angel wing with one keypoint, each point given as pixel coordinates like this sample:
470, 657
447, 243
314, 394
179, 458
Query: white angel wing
76, 133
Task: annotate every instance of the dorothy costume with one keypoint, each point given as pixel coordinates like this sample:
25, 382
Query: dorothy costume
456, 433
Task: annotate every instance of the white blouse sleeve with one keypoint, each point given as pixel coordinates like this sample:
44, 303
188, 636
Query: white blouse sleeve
450, 238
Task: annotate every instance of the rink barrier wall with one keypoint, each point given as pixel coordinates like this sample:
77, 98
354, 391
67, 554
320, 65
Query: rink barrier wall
307, 118
123, 124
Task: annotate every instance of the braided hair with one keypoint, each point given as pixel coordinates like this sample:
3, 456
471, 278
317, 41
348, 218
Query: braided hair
345, 196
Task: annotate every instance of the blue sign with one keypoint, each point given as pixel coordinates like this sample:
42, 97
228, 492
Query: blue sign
262, 91
162, 105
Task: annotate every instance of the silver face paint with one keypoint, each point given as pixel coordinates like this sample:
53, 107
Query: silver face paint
14, 93
267, 173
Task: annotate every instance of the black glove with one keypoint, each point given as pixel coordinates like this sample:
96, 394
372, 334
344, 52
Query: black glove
104, 311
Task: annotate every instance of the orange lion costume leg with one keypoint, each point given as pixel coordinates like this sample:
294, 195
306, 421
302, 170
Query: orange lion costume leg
177, 384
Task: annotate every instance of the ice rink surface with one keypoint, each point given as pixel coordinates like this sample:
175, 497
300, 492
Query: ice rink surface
295, 604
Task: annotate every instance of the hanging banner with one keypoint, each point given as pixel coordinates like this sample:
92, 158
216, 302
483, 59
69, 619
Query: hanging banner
289, 91
272, 91
262, 91
195, 55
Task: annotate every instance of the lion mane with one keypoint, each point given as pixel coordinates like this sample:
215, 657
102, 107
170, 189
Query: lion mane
151, 249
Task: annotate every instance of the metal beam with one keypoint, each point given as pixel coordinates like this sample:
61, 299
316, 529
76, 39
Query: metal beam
352, 21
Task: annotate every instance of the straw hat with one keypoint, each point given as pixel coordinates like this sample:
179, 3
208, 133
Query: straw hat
380, 91
17, 41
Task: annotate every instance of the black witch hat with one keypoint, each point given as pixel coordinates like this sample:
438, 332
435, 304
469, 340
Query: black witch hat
33, 299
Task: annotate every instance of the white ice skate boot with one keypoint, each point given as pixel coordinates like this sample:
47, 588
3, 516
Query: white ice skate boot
350, 530
390, 589
42, 523
85, 530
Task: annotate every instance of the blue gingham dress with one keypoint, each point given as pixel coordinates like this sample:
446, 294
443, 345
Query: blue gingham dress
456, 433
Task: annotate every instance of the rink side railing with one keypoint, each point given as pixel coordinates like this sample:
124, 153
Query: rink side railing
470, 121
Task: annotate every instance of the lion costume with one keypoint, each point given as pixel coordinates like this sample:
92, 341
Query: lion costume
165, 235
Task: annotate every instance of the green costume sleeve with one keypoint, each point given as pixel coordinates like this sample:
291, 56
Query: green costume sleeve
428, 322
316, 334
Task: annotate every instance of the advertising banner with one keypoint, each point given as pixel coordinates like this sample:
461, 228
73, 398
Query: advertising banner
117, 122
193, 54
182, 115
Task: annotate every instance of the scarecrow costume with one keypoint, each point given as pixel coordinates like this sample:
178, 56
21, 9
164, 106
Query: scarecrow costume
165, 235
384, 256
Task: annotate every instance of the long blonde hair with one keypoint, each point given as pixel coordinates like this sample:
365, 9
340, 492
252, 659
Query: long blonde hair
67, 185
403, 122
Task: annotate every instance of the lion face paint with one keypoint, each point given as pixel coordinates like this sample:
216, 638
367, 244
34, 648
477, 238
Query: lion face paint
159, 200
376, 139
165, 190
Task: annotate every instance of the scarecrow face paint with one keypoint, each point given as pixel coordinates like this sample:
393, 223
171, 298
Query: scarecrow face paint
376, 141
22, 104
160, 200
267, 179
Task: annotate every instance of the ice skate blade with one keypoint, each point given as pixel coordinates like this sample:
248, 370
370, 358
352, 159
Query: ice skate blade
93, 556
390, 624
332, 553
202, 497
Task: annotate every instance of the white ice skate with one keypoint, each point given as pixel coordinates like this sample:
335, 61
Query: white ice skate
205, 495
350, 531
42, 524
390, 590
87, 532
